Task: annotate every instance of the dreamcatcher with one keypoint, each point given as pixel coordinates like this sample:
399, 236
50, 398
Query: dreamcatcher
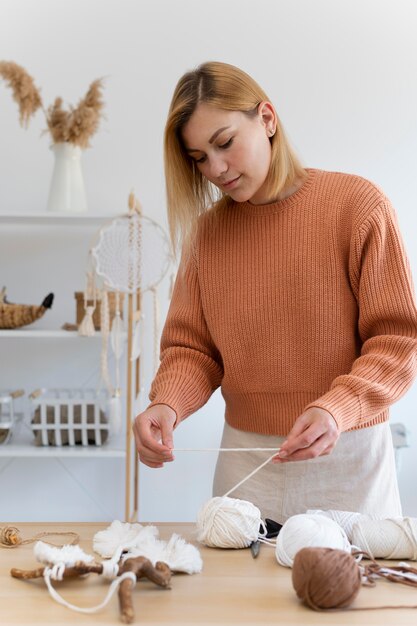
132, 256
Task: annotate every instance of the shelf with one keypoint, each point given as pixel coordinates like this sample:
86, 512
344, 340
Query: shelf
41, 334
22, 446
55, 218
15, 451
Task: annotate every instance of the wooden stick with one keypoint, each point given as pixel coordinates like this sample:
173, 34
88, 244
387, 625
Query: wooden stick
137, 392
128, 408
79, 569
142, 568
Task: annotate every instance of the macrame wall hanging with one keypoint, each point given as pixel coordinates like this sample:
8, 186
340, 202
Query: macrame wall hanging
131, 256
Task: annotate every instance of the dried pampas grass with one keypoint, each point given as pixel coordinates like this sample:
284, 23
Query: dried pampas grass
57, 120
24, 90
76, 125
80, 123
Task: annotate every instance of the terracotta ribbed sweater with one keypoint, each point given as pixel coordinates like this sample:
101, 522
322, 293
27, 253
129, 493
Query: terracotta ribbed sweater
303, 302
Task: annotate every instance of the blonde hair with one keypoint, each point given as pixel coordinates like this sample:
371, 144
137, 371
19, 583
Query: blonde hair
189, 193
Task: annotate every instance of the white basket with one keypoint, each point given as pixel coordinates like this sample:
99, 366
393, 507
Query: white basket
70, 410
9, 417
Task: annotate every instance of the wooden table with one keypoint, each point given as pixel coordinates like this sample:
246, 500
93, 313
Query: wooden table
233, 588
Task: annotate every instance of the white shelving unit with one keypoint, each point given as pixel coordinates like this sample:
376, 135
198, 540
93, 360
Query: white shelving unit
55, 218
22, 443
37, 333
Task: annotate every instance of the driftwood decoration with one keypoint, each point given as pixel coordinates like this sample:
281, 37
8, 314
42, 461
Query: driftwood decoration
141, 567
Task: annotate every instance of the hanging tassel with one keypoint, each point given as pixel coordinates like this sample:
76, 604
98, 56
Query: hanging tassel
86, 327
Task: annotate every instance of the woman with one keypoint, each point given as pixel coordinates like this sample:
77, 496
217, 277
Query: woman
294, 294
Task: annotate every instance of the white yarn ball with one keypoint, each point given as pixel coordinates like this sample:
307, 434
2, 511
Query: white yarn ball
302, 531
224, 522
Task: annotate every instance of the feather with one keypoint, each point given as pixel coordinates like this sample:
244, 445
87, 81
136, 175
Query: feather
117, 336
115, 413
138, 336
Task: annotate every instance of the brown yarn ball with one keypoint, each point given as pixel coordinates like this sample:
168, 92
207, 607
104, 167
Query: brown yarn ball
325, 578
10, 536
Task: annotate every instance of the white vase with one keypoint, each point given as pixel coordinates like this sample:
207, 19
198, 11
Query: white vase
67, 191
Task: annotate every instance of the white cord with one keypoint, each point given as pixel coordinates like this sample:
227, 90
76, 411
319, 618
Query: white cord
235, 450
251, 474
225, 449
49, 573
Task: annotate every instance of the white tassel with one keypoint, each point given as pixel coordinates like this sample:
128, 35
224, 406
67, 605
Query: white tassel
69, 555
138, 540
86, 327
117, 338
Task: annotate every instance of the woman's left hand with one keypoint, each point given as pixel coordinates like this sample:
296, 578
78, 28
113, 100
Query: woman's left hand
315, 433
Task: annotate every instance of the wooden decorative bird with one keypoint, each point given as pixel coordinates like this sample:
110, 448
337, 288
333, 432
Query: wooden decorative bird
17, 315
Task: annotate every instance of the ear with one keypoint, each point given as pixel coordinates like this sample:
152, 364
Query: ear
267, 115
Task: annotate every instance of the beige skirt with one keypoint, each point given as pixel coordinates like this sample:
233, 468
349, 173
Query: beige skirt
359, 475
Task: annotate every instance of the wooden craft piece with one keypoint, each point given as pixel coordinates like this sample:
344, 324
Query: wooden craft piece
141, 567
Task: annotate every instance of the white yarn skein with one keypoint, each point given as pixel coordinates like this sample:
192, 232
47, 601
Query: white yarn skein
302, 531
345, 519
389, 538
224, 522
394, 538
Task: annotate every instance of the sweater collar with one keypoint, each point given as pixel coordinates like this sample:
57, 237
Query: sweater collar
278, 205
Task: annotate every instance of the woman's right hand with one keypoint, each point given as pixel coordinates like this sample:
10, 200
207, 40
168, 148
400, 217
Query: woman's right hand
153, 435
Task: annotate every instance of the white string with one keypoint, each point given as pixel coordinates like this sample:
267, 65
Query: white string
250, 475
110, 569
234, 450
225, 450
49, 573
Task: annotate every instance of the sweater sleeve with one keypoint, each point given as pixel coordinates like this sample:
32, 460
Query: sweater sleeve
190, 365
381, 281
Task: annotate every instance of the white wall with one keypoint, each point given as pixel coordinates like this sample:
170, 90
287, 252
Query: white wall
342, 76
